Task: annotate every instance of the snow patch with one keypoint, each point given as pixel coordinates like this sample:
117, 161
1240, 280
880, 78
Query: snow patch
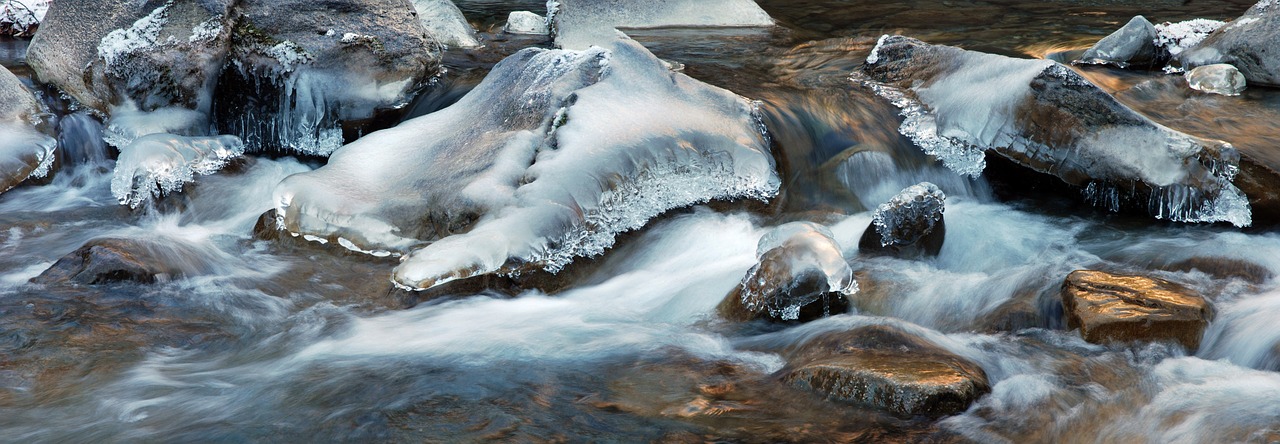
1181, 36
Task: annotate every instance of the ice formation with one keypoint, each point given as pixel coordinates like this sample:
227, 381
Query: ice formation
127, 124
1180, 36
18, 17
445, 23
1132, 44
158, 164
1249, 43
1218, 78
957, 104
907, 217
578, 24
787, 254
525, 22
549, 158
24, 153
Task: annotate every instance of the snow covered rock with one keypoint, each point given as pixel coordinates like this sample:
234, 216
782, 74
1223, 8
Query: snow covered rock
908, 225
802, 275
1133, 44
1249, 43
578, 24
21, 18
1220, 78
525, 22
24, 151
159, 164
1176, 37
445, 23
959, 104
549, 158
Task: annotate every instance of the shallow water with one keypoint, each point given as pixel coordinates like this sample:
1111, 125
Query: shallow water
290, 341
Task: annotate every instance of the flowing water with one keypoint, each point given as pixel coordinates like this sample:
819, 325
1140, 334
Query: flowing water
279, 341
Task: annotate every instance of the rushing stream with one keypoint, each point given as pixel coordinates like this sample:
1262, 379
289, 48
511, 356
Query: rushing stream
258, 340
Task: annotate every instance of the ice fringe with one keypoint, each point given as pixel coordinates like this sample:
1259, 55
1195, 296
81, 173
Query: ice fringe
158, 164
897, 220
804, 247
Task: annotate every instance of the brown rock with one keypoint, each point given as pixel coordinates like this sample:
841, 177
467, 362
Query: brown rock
103, 261
886, 368
1119, 308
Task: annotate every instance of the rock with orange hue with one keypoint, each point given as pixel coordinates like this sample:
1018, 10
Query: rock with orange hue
1111, 308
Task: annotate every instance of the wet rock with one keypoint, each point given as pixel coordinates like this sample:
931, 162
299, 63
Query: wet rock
1224, 268
525, 22
910, 225
1039, 114
801, 276
110, 260
1249, 43
578, 24
886, 368
1132, 45
24, 151
1121, 308
1221, 79
445, 23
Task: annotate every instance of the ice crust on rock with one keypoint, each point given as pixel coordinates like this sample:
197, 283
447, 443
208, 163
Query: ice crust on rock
1218, 78
158, 164
578, 24
18, 17
1180, 36
548, 159
899, 220
806, 248
24, 151
1249, 43
957, 104
525, 22
446, 24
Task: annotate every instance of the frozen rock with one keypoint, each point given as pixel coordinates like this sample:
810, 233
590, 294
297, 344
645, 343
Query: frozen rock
1134, 44
159, 164
886, 368
525, 22
801, 275
24, 151
1120, 308
578, 24
549, 158
959, 104
21, 18
445, 23
908, 225
1176, 37
1221, 79
1248, 43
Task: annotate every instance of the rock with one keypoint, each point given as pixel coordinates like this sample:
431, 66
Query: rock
886, 368
445, 23
1132, 45
1043, 116
17, 103
24, 151
1249, 43
1221, 79
1224, 268
111, 260
525, 22
159, 164
1121, 308
910, 225
578, 24
1174, 38
551, 157
802, 275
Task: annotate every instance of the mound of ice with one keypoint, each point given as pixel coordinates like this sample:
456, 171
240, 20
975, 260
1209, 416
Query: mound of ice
127, 124
445, 23
910, 215
578, 24
548, 159
24, 153
788, 254
21, 17
957, 104
159, 164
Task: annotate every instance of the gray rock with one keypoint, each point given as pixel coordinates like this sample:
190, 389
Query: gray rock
1131, 45
24, 151
445, 23
802, 275
1250, 43
1220, 78
578, 24
525, 22
909, 225
17, 103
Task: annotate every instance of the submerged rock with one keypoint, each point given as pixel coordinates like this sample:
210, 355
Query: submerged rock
802, 275
1039, 114
1132, 45
909, 225
110, 260
24, 151
884, 367
159, 164
445, 23
1221, 79
1120, 308
548, 159
1248, 43
578, 24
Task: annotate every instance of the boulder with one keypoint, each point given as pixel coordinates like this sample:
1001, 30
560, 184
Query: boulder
910, 225
525, 22
1110, 308
801, 275
1131, 45
959, 104
445, 23
1220, 78
886, 368
24, 151
1249, 43
112, 260
578, 24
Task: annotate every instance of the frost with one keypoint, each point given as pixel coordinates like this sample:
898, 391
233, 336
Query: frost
290, 55
207, 31
907, 217
143, 34
17, 17
1178, 37
578, 24
548, 159
874, 57
159, 164
445, 23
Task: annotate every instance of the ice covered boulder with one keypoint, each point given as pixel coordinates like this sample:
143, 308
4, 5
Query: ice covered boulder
153, 54
1220, 78
525, 22
158, 164
1176, 38
1133, 44
578, 24
301, 69
801, 275
1110, 307
24, 151
549, 158
1249, 43
21, 18
959, 104
908, 225
445, 23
